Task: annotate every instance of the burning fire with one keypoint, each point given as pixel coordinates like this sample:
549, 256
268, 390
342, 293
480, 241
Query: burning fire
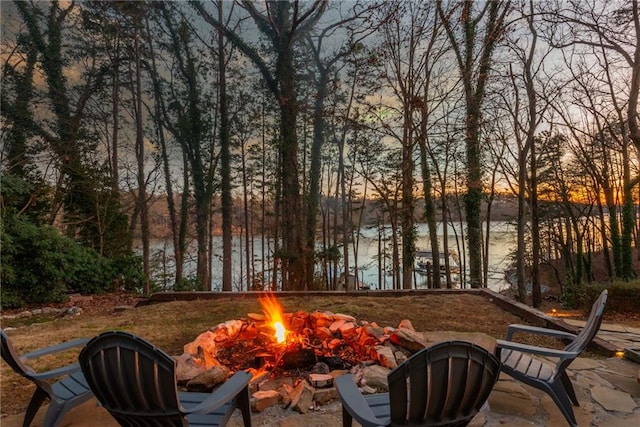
273, 312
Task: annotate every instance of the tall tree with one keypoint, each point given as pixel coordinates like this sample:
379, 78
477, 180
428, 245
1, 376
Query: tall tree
283, 23
80, 187
225, 158
474, 53
355, 28
615, 29
189, 124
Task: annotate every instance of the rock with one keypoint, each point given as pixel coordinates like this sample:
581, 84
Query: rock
320, 368
261, 400
73, 311
302, 397
256, 317
24, 314
411, 340
335, 326
276, 383
286, 390
340, 316
335, 343
323, 333
187, 367
121, 308
613, 400
583, 413
207, 380
365, 389
400, 357
227, 330
623, 383
325, 395
633, 420
509, 397
320, 318
204, 343
479, 420
348, 330
298, 322
385, 356
376, 376
36, 312
375, 332
582, 363
406, 324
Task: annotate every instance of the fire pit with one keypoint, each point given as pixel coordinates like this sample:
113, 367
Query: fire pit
294, 357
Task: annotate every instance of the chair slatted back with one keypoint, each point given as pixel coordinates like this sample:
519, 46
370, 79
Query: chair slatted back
591, 327
132, 379
11, 357
445, 384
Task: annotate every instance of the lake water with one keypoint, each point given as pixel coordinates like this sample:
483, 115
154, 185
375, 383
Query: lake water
502, 244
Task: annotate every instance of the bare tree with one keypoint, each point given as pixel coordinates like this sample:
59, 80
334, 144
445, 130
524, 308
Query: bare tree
473, 54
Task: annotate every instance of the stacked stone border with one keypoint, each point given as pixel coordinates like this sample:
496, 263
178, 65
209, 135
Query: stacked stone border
523, 311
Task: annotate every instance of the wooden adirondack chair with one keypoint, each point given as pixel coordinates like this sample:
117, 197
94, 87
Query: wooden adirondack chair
518, 361
136, 383
68, 392
443, 385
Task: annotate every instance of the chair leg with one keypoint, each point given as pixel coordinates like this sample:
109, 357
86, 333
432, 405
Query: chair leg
54, 413
347, 419
36, 401
560, 397
245, 407
569, 387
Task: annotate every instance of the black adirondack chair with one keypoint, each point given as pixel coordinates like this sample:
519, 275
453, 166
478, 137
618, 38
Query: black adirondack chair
136, 383
518, 361
442, 385
69, 391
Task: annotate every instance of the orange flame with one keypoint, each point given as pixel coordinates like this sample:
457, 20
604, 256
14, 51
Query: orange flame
273, 312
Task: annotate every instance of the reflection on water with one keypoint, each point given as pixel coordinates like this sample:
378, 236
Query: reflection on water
502, 243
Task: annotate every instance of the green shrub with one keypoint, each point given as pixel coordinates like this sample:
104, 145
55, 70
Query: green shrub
189, 283
39, 265
624, 297
129, 274
573, 295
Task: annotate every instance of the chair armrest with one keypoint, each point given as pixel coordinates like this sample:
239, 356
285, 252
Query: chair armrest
354, 403
538, 331
223, 394
57, 372
542, 351
55, 348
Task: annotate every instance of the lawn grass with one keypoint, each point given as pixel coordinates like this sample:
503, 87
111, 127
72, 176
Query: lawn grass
173, 324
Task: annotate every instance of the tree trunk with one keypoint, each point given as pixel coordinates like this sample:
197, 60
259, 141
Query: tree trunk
140, 156
225, 162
